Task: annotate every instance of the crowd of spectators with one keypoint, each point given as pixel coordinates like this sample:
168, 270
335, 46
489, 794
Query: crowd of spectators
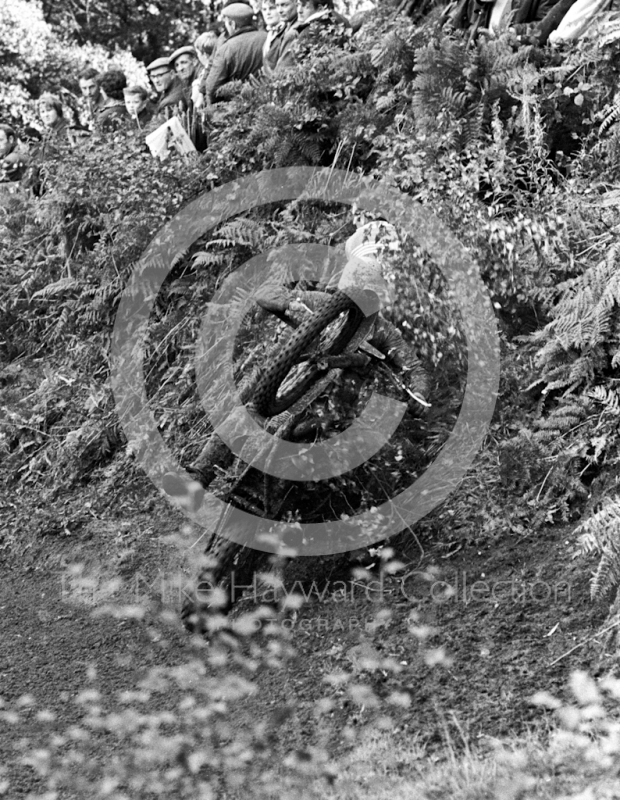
249, 40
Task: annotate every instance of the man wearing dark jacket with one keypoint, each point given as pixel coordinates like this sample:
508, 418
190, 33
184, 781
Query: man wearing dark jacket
170, 96
540, 17
277, 50
92, 101
241, 55
185, 64
111, 85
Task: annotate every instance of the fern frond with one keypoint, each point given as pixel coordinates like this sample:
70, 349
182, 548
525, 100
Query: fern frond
610, 117
204, 259
585, 330
607, 575
308, 145
241, 231
61, 323
601, 534
610, 398
58, 287
611, 35
108, 291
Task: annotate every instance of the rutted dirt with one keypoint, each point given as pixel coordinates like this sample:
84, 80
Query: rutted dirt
507, 619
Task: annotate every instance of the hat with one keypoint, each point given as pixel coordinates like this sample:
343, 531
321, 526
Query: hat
181, 52
159, 62
238, 12
236, 2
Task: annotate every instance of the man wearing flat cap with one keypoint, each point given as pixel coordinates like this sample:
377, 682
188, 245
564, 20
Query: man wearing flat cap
184, 62
168, 87
257, 5
241, 54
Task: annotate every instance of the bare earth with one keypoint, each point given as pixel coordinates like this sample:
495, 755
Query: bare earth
506, 616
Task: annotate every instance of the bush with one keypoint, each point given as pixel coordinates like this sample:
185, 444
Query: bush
39, 60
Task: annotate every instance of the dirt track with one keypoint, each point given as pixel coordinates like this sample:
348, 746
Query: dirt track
51, 648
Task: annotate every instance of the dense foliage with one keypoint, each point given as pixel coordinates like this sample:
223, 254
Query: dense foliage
38, 59
146, 29
503, 142
514, 147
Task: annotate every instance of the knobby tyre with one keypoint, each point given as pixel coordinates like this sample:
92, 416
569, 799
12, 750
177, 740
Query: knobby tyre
269, 399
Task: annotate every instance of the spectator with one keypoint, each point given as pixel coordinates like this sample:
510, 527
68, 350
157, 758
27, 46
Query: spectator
230, 3
257, 6
138, 106
92, 101
318, 22
31, 136
184, 62
270, 15
538, 17
287, 11
160, 75
56, 127
186, 65
53, 118
278, 48
170, 97
111, 86
13, 156
206, 45
241, 55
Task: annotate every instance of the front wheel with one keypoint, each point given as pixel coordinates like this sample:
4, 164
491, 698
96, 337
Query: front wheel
288, 376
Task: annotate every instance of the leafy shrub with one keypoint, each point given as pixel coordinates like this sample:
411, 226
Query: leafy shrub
38, 60
145, 29
487, 137
501, 141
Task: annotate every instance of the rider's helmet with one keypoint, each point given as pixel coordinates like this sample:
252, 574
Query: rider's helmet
371, 239
363, 277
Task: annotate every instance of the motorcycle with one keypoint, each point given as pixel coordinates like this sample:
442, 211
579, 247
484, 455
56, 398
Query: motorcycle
337, 348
